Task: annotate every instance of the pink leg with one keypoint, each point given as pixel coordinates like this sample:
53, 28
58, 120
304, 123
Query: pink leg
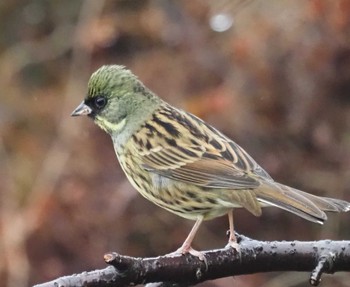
232, 241
186, 246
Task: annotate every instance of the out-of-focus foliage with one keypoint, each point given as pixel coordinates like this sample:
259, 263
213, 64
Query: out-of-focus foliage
276, 79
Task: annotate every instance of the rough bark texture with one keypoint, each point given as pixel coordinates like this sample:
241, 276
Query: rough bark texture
317, 257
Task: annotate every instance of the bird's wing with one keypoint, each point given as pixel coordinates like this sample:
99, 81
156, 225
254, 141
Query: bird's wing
200, 156
195, 166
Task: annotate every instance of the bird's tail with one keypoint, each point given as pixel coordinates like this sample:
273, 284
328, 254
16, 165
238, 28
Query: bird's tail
305, 205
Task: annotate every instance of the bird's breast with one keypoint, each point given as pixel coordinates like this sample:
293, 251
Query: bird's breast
185, 200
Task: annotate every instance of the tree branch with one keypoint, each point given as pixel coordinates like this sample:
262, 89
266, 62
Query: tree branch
319, 257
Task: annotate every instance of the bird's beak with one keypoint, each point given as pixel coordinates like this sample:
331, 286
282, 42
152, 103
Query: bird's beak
81, 110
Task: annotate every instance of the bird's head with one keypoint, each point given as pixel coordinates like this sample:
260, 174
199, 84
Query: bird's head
116, 99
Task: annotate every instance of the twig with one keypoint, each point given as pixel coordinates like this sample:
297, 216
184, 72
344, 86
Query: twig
320, 257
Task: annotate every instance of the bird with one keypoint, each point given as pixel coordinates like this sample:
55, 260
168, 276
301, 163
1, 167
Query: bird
183, 164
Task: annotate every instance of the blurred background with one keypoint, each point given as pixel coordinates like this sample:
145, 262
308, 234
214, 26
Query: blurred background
272, 75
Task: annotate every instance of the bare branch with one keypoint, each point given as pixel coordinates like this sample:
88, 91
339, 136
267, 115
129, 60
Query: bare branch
319, 257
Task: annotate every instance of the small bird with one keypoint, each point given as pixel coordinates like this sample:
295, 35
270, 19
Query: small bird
183, 164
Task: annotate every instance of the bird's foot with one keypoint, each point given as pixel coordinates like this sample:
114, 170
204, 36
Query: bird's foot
184, 249
233, 244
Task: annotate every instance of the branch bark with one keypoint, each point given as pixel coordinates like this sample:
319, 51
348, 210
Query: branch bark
319, 257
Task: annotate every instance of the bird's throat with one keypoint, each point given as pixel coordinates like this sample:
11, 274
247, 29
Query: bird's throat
110, 127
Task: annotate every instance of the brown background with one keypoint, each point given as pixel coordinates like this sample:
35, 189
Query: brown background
277, 82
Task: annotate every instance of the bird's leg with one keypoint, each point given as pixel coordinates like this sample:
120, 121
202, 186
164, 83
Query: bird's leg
186, 246
232, 241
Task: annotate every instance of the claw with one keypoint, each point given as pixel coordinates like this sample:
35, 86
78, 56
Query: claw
234, 245
184, 249
188, 249
232, 241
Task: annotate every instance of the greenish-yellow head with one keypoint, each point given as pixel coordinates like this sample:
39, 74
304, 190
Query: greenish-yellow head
117, 100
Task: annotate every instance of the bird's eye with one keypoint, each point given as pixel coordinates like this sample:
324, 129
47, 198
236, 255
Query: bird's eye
100, 102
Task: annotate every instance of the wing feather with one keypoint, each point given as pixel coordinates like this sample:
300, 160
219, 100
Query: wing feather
194, 152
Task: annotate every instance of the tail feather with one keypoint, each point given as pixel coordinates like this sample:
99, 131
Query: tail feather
305, 205
327, 204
